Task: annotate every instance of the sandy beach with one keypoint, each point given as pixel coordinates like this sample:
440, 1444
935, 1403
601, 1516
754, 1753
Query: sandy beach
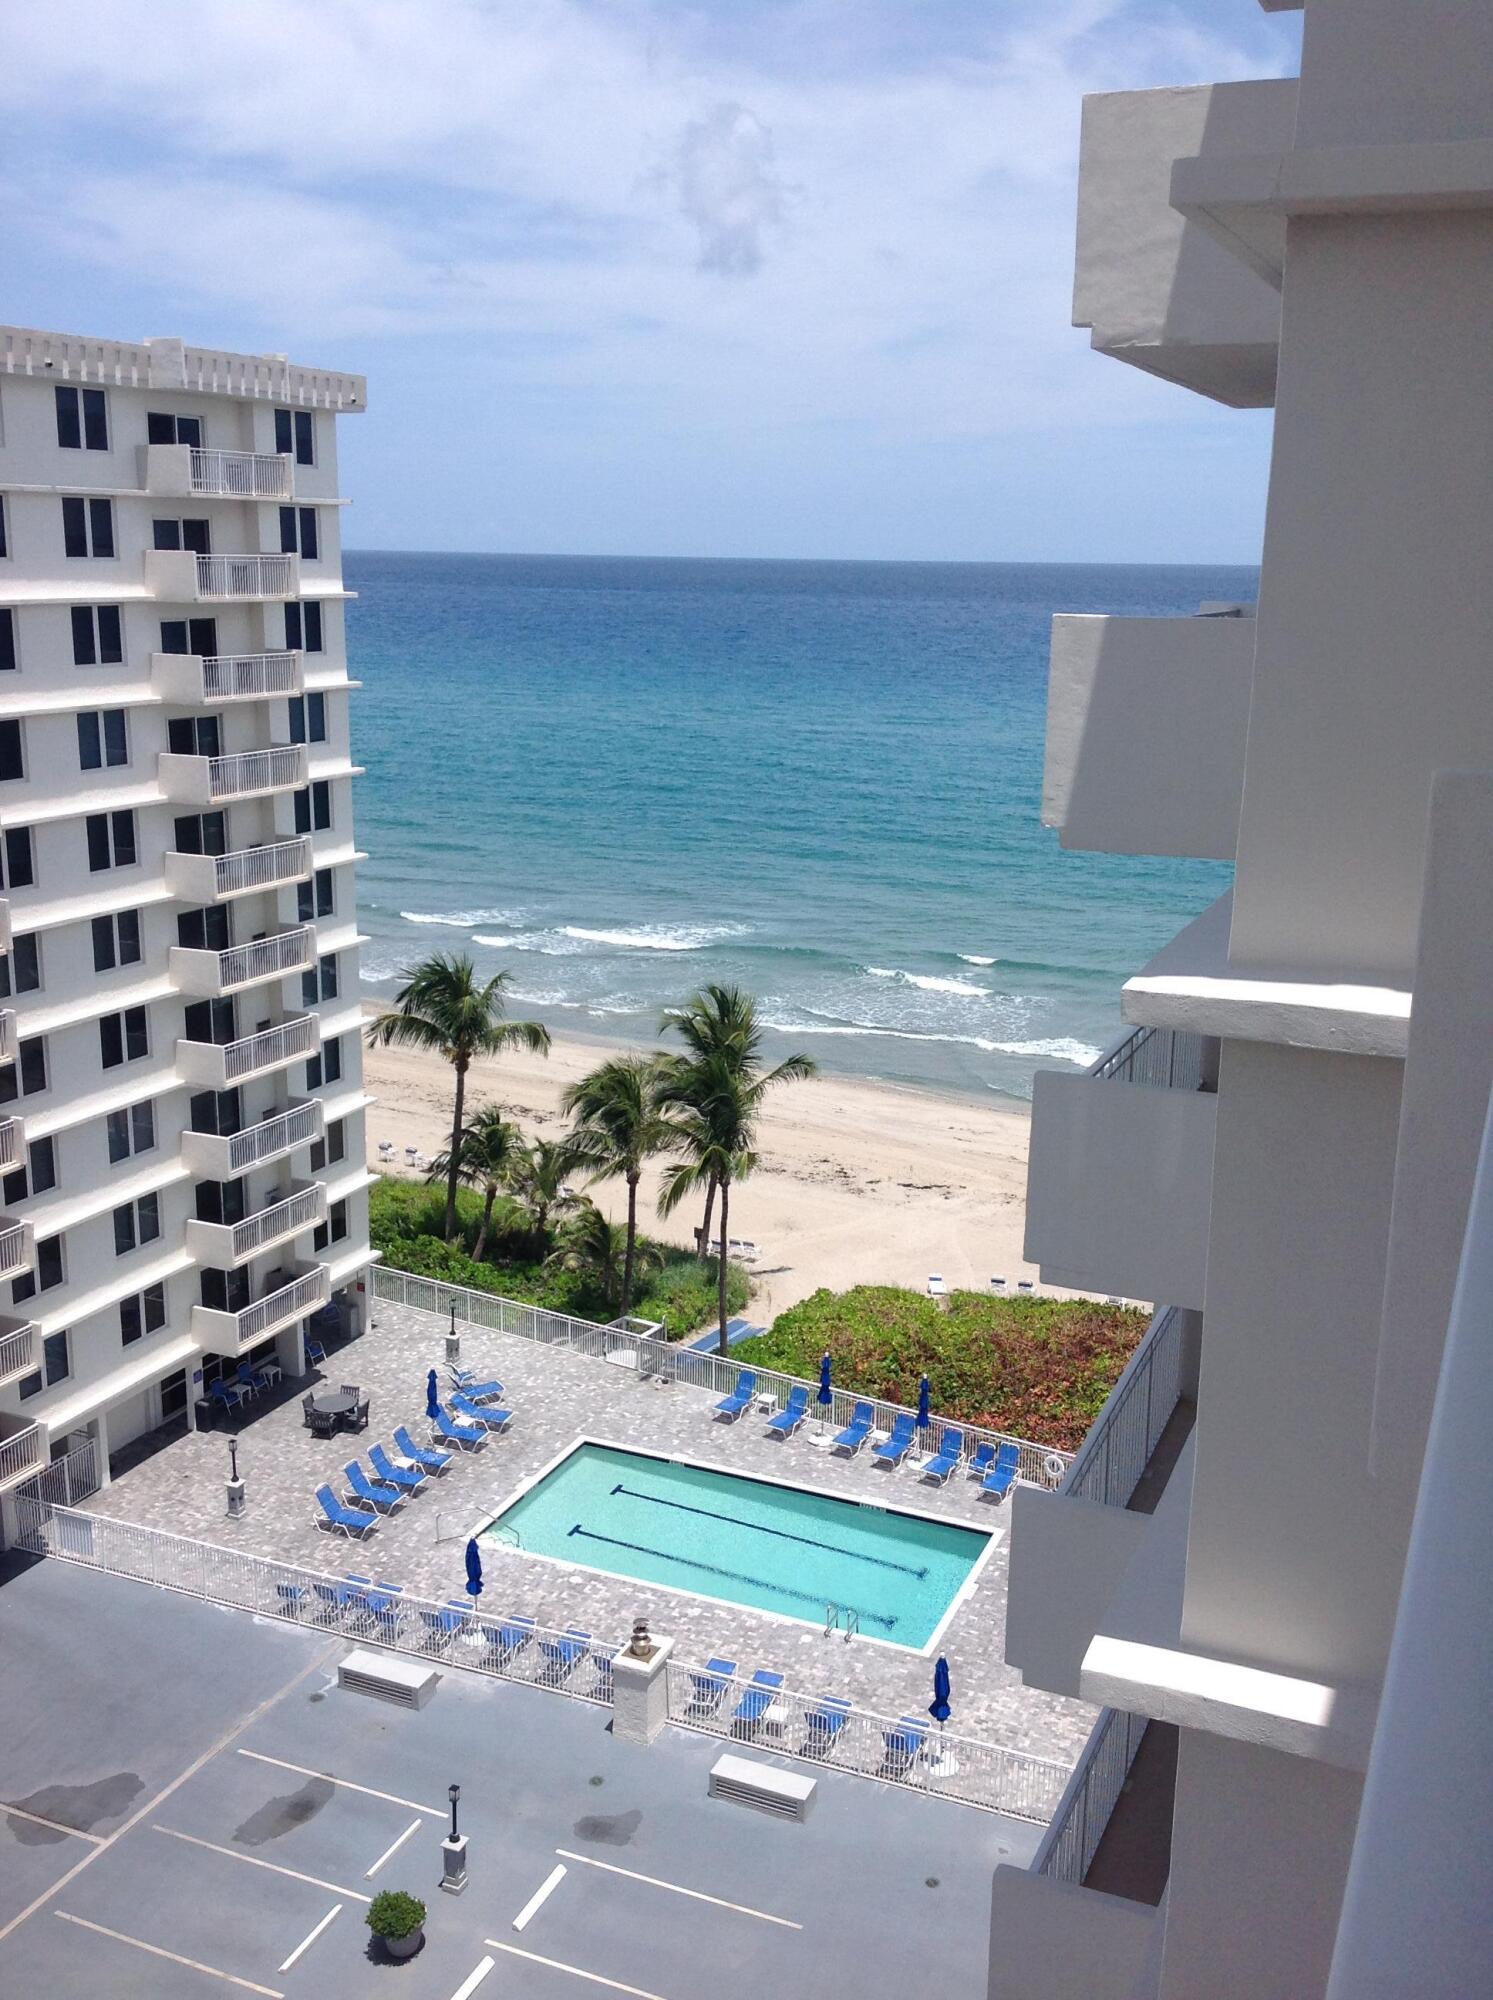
860, 1182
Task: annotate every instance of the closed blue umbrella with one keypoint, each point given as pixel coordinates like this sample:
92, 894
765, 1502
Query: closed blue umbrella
938, 1708
925, 1415
432, 1397
826, 1394
474, 1570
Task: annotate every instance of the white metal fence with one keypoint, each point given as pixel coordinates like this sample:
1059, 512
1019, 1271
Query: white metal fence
484, 1640
267, 957
15, 1248
1111, 1459
266, 1141
71, 1476
1038, 1465
246, 576
886, 1748
262, 867
1169, 1057
290, 1301
302, 1210
245, 475
249, 676
280, 1044
20, 1349
1078, 1824
23, 1447
244, 771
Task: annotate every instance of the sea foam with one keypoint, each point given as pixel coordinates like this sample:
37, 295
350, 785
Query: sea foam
927, 982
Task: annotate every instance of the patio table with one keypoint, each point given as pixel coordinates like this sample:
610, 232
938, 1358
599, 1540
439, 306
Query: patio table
333, 1403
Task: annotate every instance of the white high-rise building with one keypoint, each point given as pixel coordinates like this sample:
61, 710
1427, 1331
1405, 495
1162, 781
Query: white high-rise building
1271, 1559
183, 1185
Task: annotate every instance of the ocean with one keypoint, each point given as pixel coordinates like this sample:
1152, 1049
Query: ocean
618, 779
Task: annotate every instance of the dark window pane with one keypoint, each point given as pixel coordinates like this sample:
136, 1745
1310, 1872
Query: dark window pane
130, 1327
74, 528
122, 825
308, 989
316, 717
49, 1262
33, 1055
101, 526
303, 903
297, 709
308, 533
84, 654
159, 428
303, 812
19, 870
128, 926
136, 1041
287, 531
13, 1188
321, 805
165, 534
149, 1206
124, 1229
25, 963
204, 632
90, 750
331, 1057
303, 435
189, 430
69, 421
117, 1127
283, 440
155, 1307
10, 749
111, 1041
313, 628
43, 1157
293, 627
103, 944
181, 737
95, 420
143, 1126
7, 640
116, 746
174, 635
110, 642
97, 825
196, 536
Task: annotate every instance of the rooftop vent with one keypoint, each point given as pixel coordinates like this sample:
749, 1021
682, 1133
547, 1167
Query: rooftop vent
403, 1682
761, 1786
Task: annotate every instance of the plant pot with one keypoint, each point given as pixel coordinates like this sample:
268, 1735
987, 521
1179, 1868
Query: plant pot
407, 1946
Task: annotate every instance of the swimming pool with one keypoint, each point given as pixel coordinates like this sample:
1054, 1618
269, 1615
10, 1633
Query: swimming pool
747, 1541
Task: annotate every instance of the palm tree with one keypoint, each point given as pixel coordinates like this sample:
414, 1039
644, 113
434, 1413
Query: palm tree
445, 1007
619, 1125
716, 1020
598, 1249
538, 1181
490, 1152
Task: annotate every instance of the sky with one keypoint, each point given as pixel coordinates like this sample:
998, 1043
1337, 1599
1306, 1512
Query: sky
735, 278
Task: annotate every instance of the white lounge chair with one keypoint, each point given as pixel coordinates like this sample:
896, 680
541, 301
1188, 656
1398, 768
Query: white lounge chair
937, 1289
749, 1252
997, 1284
1024, 1285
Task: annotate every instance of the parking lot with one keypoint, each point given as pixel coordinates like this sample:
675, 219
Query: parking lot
191, 1805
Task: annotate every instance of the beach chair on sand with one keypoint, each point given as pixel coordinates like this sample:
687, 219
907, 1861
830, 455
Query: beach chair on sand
862, 1423
730, 1407
937, 1289
950, 1451
899, 1443
792, 1414
1001, 1477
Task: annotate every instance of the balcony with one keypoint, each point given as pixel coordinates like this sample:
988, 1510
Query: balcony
1146, 720
23, 1449
209, 975
213, 878
246, 774
20, 1348
4, 923
231, 1333
12, 1144
180, 577
221, 1065
224, 1244
9, 1039
223, 1156
180, 472
17, 1247
207, 680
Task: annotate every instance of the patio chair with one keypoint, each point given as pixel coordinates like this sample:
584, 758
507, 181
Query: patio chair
409, 1478
563, 1652
463, 1383
479, 1413
862, 1423
358, 1421
730, 1407
246, 1379
308, 1410
708, 1684
904, 1742
324, 1424
757, 1700
335, 1601
316, 1352
1001, 1477
792, 1414
898, 1444
601, 1659
350, 1520
351, 1389
468, 1436
373, 1493
980, 1460
441, 1626
229, 1394
825, 1721
413, 1454
292, 1598
509, 1638
946, 1460
378, 1605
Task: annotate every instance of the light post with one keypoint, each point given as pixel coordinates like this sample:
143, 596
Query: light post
453, 1338
237, 1493
454, 1851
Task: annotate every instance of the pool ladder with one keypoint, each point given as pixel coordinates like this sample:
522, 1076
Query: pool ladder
503, 1534
844, 1619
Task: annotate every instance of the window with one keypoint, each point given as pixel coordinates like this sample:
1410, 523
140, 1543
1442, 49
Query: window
313, 807
45, 1274
201, 833
111, 840
37, 1175
163, 428
333, 1230
144, 1313
190, 635
116, 940
20, 967
314, 898
4, 545
328, 1151
224, 1291
7, 635
174, 534
88, 527
28, 1073
298, 532
303, 628
12, 756
294, 433
131, 1131
136, 1223
97, 640
194, 735
123, 1037
210, 1021
319, 982
326, 1066
308, 718
219, 1111
82, 419
16, 865
204, 930
102, 738
55, 1367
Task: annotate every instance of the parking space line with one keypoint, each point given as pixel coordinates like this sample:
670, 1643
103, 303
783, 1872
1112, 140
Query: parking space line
546, 1888
54, 1825
158, 1951
678, 1889
254, 1861
577, 1971
305, 1771
310, 1938
393, 1848
474, 1979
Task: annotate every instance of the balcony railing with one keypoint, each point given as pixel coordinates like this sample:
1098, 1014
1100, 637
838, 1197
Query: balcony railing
210, 878
227, 1244
4, 923
204, 679
242, 475
1168, 1057
1108, 1464
246, 774
12, 1143
211, 974
8, 1035
222, 1156
1072, 1840
17, 1247
247, 576
20, 1349
229, 1332
23, 1448
220, 1065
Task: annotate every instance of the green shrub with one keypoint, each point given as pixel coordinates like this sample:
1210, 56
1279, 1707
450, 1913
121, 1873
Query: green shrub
393, 1914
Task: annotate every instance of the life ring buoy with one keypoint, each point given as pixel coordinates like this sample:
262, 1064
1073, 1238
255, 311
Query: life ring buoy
1054, 1465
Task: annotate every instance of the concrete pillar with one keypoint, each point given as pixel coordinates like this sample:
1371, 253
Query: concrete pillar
640, 1694
100, 1428
1191, 1353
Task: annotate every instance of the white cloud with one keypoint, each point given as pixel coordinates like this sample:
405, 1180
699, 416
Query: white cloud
729, 187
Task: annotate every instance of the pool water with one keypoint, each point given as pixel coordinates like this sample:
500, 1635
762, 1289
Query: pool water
745, 1541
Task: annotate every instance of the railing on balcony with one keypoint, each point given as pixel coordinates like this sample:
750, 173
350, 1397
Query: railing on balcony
302, 1210
250, 676
1072, 1840
20, 1350
209, 877
15, 1247
8, 1037
246, 576
274, 1136
301, 1295
12, 1143
219, 1065
1168, 1057
1108, 1464
271, 770
23, 1448
214, 973
242, 475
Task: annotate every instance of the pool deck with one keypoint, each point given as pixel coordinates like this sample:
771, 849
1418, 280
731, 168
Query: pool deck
560, 1397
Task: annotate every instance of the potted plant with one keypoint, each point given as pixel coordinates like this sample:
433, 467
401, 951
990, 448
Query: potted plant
398, 1919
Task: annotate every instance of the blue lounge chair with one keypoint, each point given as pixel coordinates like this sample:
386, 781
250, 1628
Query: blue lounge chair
292, 1598
792, 1414
229, 1394
465, 1388
378, 1605
862, 1423
980, 1460
904, 1741
468, 1436
509, 1639
428, 1461
602, 1661
351, 1520
335, 1601
315, 1352
408, 1478
476, 1413
1001, 1477
441, 1626
826, 1719
730, 1407
372, 1492
707, 1685
757, 1700
563, 1652
899, 1443
950, 1451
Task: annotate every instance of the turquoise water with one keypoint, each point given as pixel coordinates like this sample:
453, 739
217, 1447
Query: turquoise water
717, 1534
621, 778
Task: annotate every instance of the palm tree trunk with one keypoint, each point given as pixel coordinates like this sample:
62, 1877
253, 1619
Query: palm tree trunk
632, 1241
487, 1207
705, 1230
455, 1167
725, 1342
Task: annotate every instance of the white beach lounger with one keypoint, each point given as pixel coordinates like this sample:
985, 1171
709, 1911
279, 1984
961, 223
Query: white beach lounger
997, 1284
748, 1250
937, 1289
1024, 1285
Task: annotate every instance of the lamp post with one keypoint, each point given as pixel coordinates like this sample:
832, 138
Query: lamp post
237, 1495
453, 1793
453, 1338
453, 1851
